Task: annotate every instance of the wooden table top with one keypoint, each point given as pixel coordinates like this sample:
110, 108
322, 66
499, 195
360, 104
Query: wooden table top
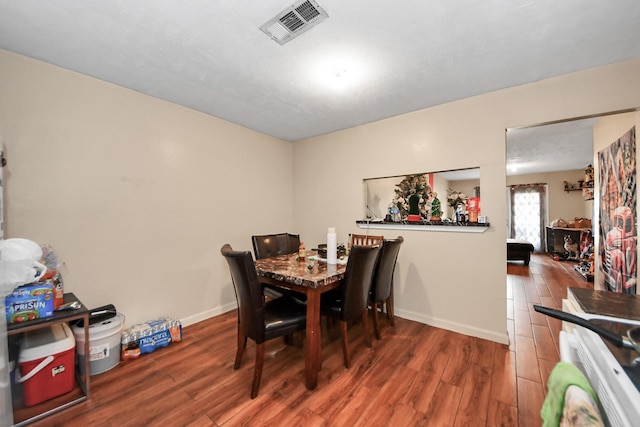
287, 268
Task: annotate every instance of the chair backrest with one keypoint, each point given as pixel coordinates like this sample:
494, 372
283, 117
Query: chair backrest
358, 277
386, 265
270, 245
362, 240
248, 292
294, 242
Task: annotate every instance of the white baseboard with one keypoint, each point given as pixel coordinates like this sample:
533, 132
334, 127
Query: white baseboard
454, 326
195, 318
409, 315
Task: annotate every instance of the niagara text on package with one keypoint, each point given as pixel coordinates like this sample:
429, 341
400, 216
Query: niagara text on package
147, 337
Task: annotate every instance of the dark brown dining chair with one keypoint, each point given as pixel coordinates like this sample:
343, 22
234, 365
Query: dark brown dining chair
366, 240
258, 319
270, 245
382, 286
350, 301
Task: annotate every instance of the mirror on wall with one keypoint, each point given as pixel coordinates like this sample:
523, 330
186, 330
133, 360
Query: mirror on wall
395, 198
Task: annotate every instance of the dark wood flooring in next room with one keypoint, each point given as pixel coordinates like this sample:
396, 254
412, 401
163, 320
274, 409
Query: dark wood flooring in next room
417, 375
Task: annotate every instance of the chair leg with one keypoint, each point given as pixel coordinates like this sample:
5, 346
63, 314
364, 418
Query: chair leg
257, 372
287, 339
390, 311
242, 343
292, 339
365, 327
345, 344
374, 307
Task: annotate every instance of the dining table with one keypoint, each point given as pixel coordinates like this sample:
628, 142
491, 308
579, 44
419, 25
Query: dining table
312, 278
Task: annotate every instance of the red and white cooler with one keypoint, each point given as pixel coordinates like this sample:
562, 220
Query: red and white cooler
47, 363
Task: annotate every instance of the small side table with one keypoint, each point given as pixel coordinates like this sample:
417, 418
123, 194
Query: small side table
23, 415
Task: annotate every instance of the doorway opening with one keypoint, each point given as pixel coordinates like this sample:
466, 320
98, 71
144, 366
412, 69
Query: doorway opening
527, 213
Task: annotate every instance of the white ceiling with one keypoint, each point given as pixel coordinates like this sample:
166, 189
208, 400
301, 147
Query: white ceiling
397, 57
550, 148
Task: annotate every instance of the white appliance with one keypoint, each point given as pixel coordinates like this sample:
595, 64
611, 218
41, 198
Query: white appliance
612, 371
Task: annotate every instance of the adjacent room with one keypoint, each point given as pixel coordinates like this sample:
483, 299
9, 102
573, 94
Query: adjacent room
177, 163
550, 186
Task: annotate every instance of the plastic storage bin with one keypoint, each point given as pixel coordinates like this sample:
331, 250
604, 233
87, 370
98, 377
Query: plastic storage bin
47, 361
104, 344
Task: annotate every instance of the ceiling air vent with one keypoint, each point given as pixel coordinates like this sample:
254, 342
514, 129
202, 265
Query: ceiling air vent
294, 20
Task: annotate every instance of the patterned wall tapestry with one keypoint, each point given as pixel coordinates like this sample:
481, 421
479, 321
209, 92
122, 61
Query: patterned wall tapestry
618, 237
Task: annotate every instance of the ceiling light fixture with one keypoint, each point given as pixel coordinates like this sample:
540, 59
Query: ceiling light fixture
337, 71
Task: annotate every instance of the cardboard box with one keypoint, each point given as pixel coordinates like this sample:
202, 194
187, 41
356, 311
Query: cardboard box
58, 288
30, 302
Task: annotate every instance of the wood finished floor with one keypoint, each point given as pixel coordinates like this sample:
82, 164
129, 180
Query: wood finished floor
417, 375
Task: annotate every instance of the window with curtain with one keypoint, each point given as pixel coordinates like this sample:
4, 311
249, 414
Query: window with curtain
527, 213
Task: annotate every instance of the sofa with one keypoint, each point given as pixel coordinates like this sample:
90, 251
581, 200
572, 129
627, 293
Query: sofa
519, 250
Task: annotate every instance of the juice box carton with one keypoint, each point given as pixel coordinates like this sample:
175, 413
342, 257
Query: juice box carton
29, 302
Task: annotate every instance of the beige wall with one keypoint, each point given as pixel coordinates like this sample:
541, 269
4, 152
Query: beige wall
135, 194
562, 204
452, 280
606, 131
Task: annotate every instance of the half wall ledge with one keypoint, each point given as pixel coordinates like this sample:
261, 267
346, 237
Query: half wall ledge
463, 227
